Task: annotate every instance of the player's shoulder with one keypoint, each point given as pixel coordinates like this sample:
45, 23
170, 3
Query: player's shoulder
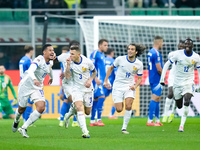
85, 59
7, 77
94, 54
40, 59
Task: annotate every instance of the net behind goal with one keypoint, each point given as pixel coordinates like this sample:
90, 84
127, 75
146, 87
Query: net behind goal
123, 30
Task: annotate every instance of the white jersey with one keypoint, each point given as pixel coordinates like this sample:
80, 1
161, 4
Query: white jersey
81, 73
62, 58
185, 65
126, 72
172, 70
40, 73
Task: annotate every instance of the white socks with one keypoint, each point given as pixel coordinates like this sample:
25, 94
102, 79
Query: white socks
127, 117
17, 116
33, 117
184, 116
173, 106
81, 120
167, 106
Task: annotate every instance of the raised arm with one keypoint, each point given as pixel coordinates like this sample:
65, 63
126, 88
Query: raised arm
67, 71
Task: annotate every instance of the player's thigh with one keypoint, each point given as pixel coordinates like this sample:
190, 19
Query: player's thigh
177, 92
98, 91
129, 97
188, 89
37, 95
87, 110
8, 109
156, 89
170, 92
88, 99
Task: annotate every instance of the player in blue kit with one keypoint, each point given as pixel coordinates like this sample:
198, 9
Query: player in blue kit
155, 66
24, 64
108, 62
98, 58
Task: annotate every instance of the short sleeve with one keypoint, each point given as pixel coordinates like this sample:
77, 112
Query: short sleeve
198, 63
38, 61
61, 57
140, 70
116, 62
157, 58
173, 58
91, 65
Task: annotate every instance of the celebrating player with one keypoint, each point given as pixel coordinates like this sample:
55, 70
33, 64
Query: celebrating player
124, 85
183, 87
31, 86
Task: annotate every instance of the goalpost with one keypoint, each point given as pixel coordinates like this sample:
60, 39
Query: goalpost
123, 30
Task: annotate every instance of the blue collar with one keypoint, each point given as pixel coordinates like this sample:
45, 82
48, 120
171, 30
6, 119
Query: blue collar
129, 60
188, 55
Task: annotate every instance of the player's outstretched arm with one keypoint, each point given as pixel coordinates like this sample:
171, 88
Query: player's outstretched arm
109, 71
165, 68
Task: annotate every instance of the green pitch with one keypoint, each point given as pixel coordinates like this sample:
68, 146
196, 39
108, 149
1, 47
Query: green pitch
47, 135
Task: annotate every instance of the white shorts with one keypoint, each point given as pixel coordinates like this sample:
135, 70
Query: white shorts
179, 91
85, 97
119, 95
37, 95
67, 87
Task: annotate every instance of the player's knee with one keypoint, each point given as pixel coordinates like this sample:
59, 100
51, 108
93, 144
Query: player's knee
170, 95
179, 106
187, 103
40, 109
119, 110
87, 112
128, 107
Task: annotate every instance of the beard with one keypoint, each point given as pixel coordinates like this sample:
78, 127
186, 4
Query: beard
130, 56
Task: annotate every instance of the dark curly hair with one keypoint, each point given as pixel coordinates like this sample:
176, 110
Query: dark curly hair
139, 48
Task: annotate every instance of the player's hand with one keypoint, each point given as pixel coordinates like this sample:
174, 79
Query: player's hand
50, 81
37, 83
88, 83
68, 61
98, 82
107, 85
132, 87
54, 56
15, 101
62, 75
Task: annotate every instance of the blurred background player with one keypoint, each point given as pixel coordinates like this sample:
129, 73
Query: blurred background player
24, 64
108, 62
170, 95
124, 85
186, 62
31, 86
66, 104
98, 59
155, 66
5, 105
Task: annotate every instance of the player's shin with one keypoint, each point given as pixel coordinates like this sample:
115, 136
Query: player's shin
127, 117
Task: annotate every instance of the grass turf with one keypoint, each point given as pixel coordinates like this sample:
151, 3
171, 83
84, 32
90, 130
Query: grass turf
47, 135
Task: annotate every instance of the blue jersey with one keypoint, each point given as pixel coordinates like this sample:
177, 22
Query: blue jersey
153, 58
108, 62
98, 60
24, 64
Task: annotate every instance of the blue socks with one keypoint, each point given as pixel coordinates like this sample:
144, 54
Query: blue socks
93, 111
63, 111
152, 108
113, 110
74, 118
157, 110
100, 107
27, 113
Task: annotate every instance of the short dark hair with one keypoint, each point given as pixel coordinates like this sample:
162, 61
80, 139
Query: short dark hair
188, 39
109, 51
65, 48
28, 48
101, 41
76, 48
138, 47
45, 46
158, 38
74, 42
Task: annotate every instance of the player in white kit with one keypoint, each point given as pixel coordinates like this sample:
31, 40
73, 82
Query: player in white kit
169, 98
31, 86
124, 85
183, 87
79, 67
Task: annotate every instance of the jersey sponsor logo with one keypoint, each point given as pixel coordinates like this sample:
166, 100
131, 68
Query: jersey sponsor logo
84, 69
134, 68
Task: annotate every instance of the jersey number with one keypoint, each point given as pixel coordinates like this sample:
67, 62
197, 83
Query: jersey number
128, 74
80, 76
186, 69
149, 63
